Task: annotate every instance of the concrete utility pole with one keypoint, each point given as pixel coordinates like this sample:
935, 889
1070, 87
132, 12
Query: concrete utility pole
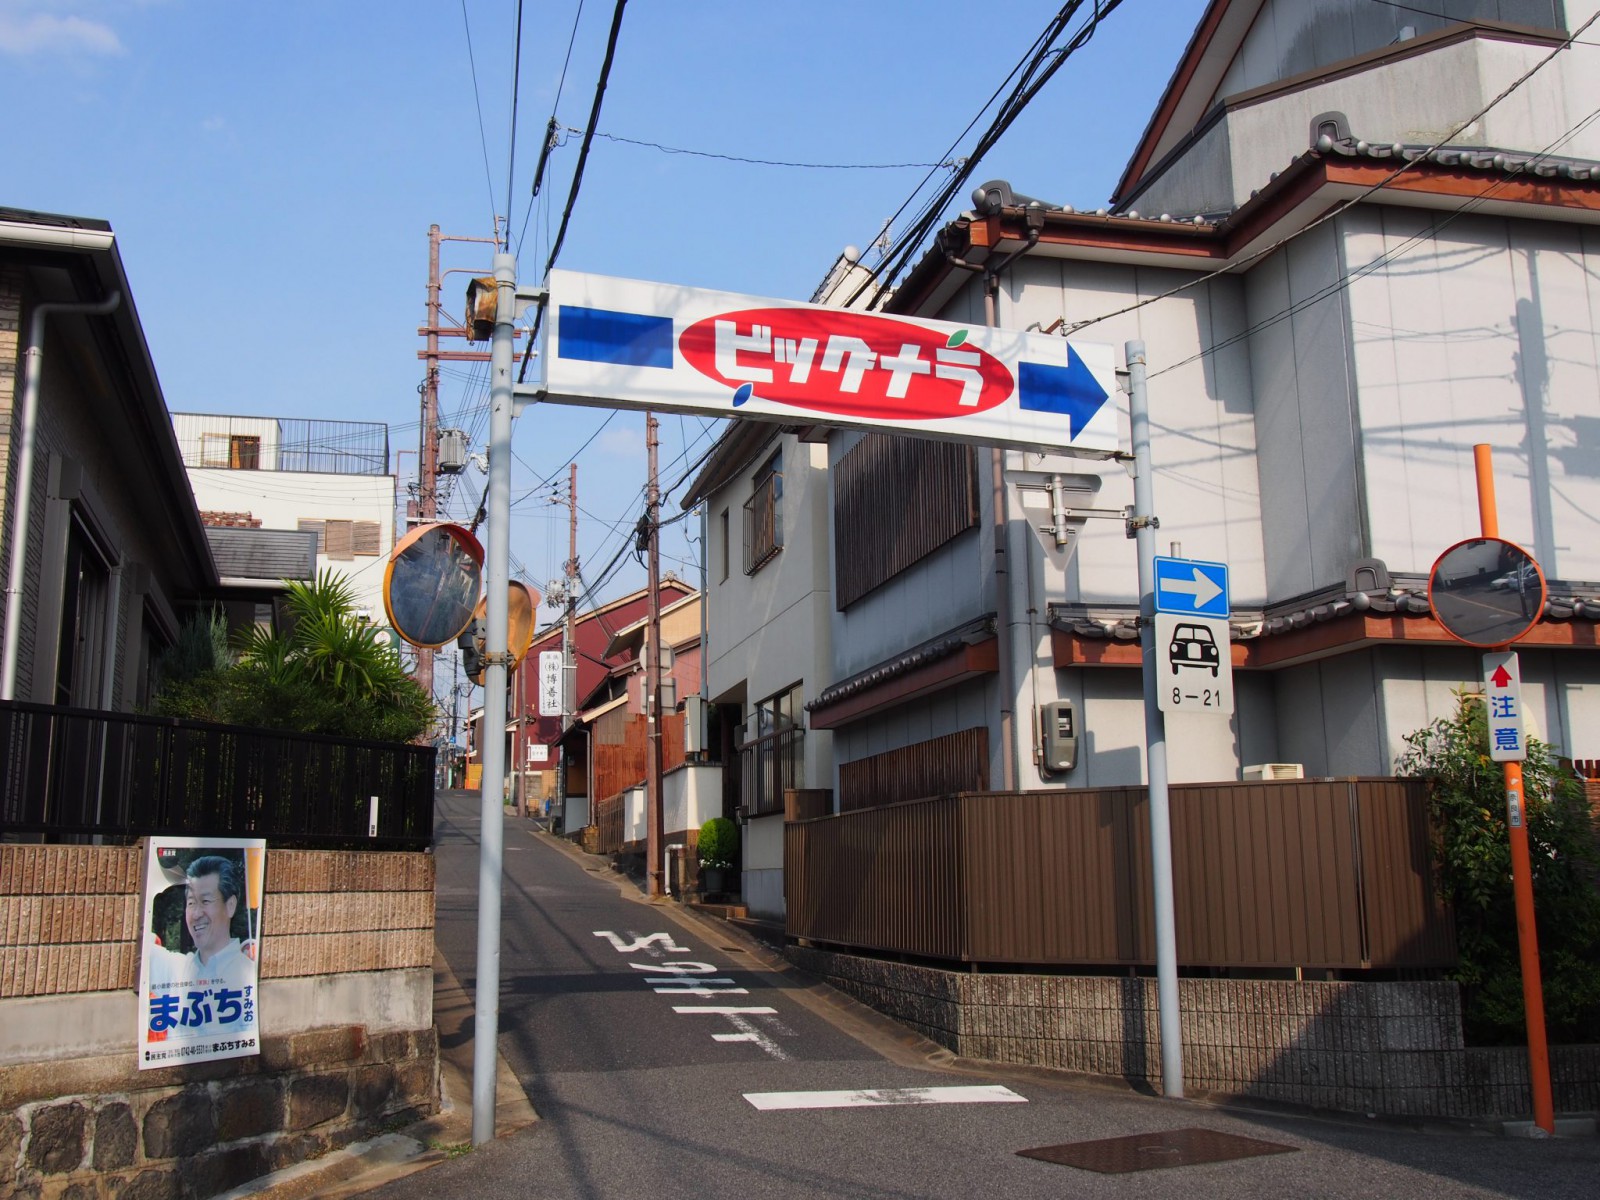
656, 842
1144, 524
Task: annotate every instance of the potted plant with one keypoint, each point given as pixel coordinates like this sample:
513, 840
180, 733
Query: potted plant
719, 844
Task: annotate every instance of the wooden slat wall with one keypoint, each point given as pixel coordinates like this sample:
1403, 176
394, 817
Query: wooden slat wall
1318, 874
900, 863
956, 762
896, 500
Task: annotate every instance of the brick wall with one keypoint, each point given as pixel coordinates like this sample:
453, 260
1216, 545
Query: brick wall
69, 916
346, 954
1392, 1048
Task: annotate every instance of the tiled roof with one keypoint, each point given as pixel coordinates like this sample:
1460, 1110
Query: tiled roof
930, 651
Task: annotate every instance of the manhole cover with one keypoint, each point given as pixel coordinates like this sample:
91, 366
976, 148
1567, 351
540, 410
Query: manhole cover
1147, 1151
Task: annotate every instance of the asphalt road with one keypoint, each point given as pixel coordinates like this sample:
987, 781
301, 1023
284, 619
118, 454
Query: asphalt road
632, 1032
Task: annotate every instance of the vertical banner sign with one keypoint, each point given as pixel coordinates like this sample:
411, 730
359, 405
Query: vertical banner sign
550, 683
200, 933
1502, 686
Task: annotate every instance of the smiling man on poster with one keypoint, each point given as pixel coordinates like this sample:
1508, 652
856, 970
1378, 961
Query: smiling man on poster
200, 1004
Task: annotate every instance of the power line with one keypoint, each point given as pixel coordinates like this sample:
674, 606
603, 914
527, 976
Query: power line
483, 139
1388, 256
516, 86
1036, 69
769, 162
1258, 255
550, 129
577, 173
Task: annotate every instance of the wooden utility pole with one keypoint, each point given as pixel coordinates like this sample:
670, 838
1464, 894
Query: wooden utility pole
655, 843
426, 506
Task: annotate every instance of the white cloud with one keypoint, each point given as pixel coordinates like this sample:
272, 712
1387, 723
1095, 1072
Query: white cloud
214, 124
44, 33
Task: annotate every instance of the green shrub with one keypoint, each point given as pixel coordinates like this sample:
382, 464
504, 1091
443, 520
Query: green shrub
719, 843
1467, 802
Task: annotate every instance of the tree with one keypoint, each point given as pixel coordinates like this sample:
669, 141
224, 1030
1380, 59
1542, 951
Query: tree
1467, 802
326, 672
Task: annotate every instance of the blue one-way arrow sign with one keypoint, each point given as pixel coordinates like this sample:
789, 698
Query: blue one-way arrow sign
1189, 587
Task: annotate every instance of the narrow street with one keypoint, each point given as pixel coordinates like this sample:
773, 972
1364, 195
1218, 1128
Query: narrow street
662, 1060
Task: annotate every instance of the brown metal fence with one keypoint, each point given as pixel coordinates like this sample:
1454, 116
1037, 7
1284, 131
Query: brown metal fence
1323, 874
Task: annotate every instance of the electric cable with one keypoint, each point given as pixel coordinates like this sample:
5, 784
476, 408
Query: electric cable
1340, 207
483, 138
577, 174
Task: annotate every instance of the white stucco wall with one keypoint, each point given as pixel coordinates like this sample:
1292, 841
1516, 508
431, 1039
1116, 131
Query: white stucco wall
281, 499
691, 794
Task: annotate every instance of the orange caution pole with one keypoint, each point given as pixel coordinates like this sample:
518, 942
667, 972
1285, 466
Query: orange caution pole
1521, 866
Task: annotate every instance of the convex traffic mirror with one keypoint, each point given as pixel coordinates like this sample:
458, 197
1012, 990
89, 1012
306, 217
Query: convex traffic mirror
1487, 591
432, 584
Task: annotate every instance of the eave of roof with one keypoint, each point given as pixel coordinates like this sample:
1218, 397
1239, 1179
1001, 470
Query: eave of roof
1497, 182
101, 269
740, 443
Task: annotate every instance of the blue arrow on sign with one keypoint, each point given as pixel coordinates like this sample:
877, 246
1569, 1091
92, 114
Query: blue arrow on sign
1188, 587
1071, 390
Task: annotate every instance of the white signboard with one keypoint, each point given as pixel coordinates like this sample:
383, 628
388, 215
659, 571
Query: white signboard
1194, 666
200, 938
624, 343
549, 683
538, 752
1502, 686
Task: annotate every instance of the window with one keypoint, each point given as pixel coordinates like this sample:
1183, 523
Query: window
727, 549
771, 751
895, 501
244, 453
80, 658
763, 516
344, 540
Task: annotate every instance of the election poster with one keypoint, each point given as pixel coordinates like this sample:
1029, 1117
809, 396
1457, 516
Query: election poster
200, 934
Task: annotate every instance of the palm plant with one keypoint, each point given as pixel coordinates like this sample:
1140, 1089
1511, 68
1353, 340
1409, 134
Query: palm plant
325, 671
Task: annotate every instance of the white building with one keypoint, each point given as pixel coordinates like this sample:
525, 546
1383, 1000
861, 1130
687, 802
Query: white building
1356, 240
330, 479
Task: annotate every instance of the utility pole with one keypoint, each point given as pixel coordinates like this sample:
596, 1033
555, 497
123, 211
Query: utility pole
1142, 527
426, 506
655, 843
491, 834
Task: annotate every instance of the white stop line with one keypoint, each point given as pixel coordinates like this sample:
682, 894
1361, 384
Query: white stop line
979, 1094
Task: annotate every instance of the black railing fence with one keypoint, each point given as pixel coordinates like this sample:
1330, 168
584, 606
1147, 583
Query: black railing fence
68, 774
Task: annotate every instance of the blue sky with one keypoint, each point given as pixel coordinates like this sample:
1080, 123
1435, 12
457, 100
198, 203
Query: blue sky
271, 171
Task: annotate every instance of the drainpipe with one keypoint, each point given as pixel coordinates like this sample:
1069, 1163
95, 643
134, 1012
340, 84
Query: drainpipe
999, 507
22, 494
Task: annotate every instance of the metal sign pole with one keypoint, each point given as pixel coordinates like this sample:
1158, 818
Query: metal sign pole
497, 575
1144, 525
1521, 864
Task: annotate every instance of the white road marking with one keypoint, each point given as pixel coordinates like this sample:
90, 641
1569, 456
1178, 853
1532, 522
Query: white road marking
720, 1010
689, 985
679, 968
646, 943
749, 1033
979, 1094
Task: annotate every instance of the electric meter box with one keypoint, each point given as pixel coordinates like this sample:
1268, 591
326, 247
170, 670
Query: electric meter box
1058, 727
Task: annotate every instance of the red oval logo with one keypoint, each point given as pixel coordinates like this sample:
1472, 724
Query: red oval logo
844, 363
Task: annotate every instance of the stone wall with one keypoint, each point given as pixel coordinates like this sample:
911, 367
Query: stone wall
348, 1043
1389, 1048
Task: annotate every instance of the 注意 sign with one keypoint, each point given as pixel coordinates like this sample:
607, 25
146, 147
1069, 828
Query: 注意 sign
626, 343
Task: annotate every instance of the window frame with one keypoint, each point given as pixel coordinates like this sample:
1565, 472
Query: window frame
773, 760
763, 515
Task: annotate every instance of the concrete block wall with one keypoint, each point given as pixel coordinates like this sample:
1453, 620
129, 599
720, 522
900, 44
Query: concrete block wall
346, 1011
1393, 1048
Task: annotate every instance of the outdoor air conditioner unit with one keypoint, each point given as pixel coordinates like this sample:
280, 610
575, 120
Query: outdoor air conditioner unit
1261, 772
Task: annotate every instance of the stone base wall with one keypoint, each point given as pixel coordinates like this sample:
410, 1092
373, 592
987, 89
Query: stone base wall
99, 1127
348, 1042
1389, 1048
